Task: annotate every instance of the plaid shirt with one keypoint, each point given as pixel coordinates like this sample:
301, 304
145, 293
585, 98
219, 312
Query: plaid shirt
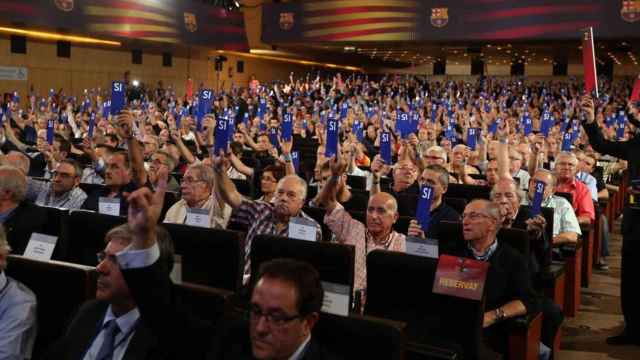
258, 215
72, 199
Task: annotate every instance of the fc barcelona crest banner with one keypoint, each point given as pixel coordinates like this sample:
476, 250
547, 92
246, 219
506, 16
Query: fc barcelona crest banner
166, 21
630, 11
321, 21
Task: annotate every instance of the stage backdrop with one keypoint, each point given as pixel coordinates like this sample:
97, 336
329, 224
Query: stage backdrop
439, 20
170, 21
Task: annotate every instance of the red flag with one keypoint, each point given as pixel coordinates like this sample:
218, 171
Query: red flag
189, 88
589, 61
635, 94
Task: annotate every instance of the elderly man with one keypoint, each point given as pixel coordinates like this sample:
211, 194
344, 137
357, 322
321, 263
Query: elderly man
120, 333
17, 312
63, 190
20, 217
197, 193
508, 285
270, 218
566, 167
566, 228
378, 233
437, 177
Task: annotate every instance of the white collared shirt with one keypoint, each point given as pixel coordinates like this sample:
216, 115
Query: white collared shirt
301, 349
126, 323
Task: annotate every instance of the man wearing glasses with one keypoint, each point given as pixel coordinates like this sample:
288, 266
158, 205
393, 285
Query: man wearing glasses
63, 190
566, 167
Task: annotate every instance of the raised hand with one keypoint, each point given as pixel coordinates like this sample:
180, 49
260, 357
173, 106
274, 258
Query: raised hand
536, 225
145, 207
337, 164
124, 125
588, 108
415, 229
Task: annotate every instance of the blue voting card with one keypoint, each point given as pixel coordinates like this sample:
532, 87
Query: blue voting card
245, 120
538, 196
546, 124
493, 127
221, 135
273, 137
385, 147
566, 141
106, 109
344, 109
204, 106
528, 125
358, 130
117, 97
575, 131
331, 147
50, 131
434, 112
610, 120
565, 123
287, 126
423, 210
295, 158
92, 124
404, 125
472, 134
621, 125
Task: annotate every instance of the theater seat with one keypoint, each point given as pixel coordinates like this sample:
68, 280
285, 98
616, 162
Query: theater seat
60, 289
58, 225
211, 257
361, 337
86, 235
205, 302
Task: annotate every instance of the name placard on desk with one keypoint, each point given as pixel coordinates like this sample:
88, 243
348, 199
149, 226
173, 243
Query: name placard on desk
302, 229
422, 247
198, 217
40, 246
460, 277
336, 299
109, 206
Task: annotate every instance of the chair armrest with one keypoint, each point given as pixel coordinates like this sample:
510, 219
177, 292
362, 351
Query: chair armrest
569, 250
521, 324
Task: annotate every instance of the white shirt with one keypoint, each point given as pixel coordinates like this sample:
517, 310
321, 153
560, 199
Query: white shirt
564, 217
126, 323
524, 178
301, 349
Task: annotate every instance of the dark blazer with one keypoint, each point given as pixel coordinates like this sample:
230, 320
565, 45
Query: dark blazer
86, 326
25, 219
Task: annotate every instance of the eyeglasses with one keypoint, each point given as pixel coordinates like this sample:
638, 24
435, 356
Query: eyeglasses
475, 216
62, 175
269, 179
273, 319
190, 180
102, 256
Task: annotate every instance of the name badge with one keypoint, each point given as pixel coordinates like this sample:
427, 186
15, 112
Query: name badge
40, 246
336, 299
302, 229
198, 217
422, 247
109, 206
176, 273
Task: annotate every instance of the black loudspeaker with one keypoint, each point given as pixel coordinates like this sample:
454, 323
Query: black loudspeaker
18, 44
240, 66
64, 49
477, 67
439, 68
560, 68
219, 62
136, 57
517, 69
167, 59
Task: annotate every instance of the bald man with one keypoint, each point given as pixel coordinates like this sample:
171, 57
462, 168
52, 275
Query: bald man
378, 233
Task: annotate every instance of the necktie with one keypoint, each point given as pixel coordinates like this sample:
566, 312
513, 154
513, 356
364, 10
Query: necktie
111, 329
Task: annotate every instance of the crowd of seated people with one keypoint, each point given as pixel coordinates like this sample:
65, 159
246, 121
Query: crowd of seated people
67, 152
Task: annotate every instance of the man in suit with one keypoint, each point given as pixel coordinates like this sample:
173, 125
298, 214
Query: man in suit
19, 216
285, 302
110, 327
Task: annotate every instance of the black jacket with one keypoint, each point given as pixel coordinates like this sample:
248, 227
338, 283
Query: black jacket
25, 219
86, 326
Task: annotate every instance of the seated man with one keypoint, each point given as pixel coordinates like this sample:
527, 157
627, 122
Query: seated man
197, 193
566, 228
437, 177
270, 218
121, 333
17, 312
19, 216
285, 302
508, 285
63, 190
378, 233
566, 167
344, 195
